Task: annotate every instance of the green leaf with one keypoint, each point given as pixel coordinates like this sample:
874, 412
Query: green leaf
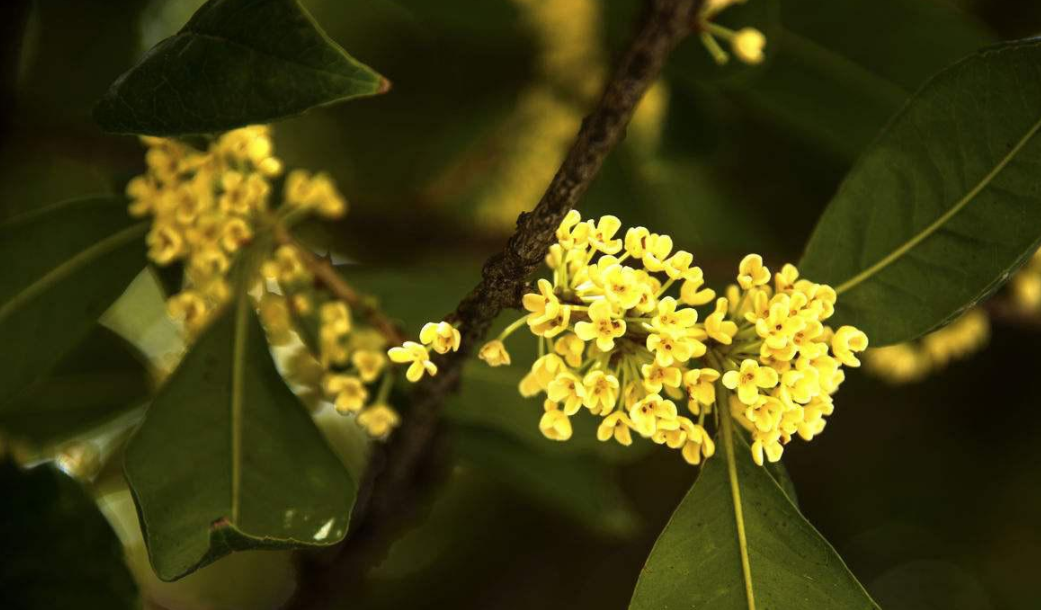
64, 265
235, 63
59, 552
228, 459
832, 81
944, 206
101, 378
580, 487
735, 538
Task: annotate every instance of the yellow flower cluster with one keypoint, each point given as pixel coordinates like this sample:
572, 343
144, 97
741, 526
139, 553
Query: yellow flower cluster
206, 206
746, 44
346, 360
620, 335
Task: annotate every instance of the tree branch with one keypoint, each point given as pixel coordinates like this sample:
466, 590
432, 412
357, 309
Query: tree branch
325, 274
396, 469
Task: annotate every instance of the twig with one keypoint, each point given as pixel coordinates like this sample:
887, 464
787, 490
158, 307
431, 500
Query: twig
392, 480
328, 277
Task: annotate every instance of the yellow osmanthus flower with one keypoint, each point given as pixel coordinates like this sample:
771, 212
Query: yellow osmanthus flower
495, 354
628, 350
418, 358
208, 205
378, 420
746, 44
442, 337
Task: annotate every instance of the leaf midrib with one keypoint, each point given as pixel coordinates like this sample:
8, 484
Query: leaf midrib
238, 371
739, 519
70, 266
943, 219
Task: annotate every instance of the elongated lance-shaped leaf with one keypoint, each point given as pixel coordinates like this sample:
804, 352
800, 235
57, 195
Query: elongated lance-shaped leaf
228, 459
236, 62
944, 206
737, 542
63, 266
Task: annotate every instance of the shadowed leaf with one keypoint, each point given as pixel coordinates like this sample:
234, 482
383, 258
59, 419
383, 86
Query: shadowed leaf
235, 63
63, 266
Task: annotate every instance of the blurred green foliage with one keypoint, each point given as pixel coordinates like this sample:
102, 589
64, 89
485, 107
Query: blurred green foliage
929, 492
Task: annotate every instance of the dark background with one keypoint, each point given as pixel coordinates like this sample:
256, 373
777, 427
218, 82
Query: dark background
930, 492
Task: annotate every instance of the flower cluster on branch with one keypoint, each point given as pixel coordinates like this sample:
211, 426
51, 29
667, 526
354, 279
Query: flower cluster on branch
620, 335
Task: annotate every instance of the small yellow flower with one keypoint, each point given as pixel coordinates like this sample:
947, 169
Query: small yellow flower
567, 388
349, 392
621, 284
190, 307
286, 267
652, 414
571, 349
494, 353
701, 388
656, 249
768, 442
369, 363
749, 379
617, 425
572, 231
784, 280
274, 313
602, 235
678, 265
543, 371
691, 291
554, 424
752, 272
672, 321
698, 444
602, 327
601, 393
415, 353
668, 349
717, 326
165, 244
442, 337
635, 241
748, 44
378, 420
235, 233
846, 342
655, 376
547, 317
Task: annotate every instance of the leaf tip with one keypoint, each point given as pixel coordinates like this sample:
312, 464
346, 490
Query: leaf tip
384, 86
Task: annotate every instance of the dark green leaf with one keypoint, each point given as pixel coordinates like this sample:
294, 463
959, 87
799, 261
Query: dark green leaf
580, 487
834, 82
99, 379
228, 459
236, 62
59, 552
697, 560
944, 206
64, 265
